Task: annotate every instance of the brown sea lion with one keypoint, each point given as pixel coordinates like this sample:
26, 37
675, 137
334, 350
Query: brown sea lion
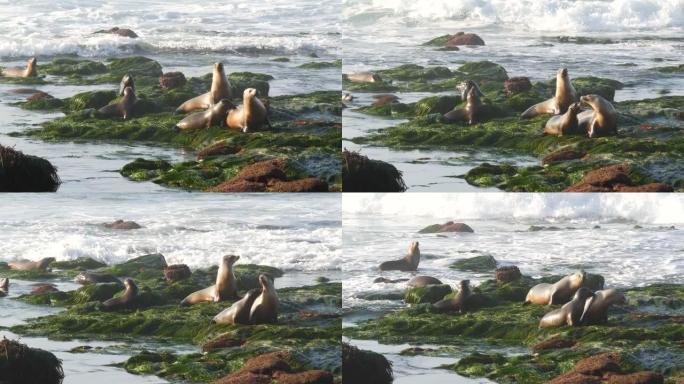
346, 96
384, 99
456, 303
29, 71
265, 307
87, 277
602, 120
558, 293
464, 87
126, 81
565, 124
220, 89
214, 116
470, 113
565, 95
363, 77
123, 108
251, 115
421, 281
28, 265
224, 289
124, 301
408, 263
4, 287
570, 313
596, 307
238, 313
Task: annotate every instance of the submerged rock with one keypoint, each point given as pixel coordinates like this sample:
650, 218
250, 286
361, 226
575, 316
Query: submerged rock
125, 32
449, 226
361, 174
360, 366
26, 173
122, 225
21, 364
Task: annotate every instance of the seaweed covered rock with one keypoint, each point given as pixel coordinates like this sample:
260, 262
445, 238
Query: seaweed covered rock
219, 148
170, 80
68, 66
427, 294
21, 364
269, 175
26, 173
459, 38
508, 273
484, 263
177, 272
361, 366
89, 100
517, 85
449, 226
361, 174
615, 178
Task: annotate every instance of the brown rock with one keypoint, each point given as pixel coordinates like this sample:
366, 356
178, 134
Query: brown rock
177, 272
462, 38
223, 341
238, 186
651, 187
599, 365
43, 288
563, 154
517, 85
646, 377
575, 378
311, 184
307, 377
382, 100
40, 95
555, 342
218, 149
583, 187
124, 225
171, 80
244, 378
268, 363
263, 171
125, 32
608, 175
450, 226
507, 274
24, 90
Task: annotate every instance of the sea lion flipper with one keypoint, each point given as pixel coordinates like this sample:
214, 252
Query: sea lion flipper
455, 115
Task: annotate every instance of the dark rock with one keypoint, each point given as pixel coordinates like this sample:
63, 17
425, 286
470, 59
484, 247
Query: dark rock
645, 377
359, 366
177, 272
382, 100
311, 184
563, 154
599, 364
39, 96
238, 186
306, 377
555, 342
575, 378
123, 225
22, 364
507, 274
171, 80
517, 85
651, 187
223, 341
361, 174
218, 149
125, 32
462, 38
449, 226
43, 288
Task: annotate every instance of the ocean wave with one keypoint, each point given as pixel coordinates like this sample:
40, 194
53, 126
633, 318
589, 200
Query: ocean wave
530, 15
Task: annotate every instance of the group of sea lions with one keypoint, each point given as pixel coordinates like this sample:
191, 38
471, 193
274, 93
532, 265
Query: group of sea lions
24, 265
580, 306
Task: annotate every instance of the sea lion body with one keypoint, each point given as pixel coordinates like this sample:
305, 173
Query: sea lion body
408, 263
87, 277
363, 77
124, 301
29, 71
126, 81
456, 303
265, 307
27, 265
123, 108
559, 103
213, 116
570, 313
251, 115
558, 293
421, 281
596, 307
224, 289
4, 287
565, 124
602, 120
470, 113
220, 89
238, 313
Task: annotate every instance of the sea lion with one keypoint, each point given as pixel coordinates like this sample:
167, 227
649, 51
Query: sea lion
558, 293
87, 277
251, 115
565, 95
470, 112
215, 115
421, 281
123, 108
220, 89
265, 307
346, 96
456, 303
224, 289
601, 120
408, 263
465, 86
126, 81
125, 300
4, 287
570, 313
29, 71
28, 265
238, 313
565, 124
596, 307
363, 77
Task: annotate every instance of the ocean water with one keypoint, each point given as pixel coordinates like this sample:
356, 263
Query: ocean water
632, 240
522, 36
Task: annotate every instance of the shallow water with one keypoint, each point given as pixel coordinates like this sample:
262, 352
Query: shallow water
522, 36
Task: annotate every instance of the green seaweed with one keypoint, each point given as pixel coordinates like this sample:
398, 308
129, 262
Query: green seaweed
321, 64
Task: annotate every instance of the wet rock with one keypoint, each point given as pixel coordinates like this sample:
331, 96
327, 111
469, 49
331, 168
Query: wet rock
218, 149
598, 364
575, 378
238, 186
306, 377
25, 173
614, 178
24, 90
382, 100
311, 184
484, 263
462, 38
262, 171
172, 80
555, 342
125, 32
361, 174
122, 225
43, 288
507, 274
427, 294
223, 341
563, 154
39, 96
517, 85
360, 366
177, 272
422, 281
449, 226
646, 377
609, 175
268, 363
650, 187
244, 378
21, 364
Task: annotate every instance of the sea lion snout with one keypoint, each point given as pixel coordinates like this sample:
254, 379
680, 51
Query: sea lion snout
231, 259
218, 66
563, 72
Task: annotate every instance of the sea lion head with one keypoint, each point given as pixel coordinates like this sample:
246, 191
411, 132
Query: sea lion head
44, 262
464, 286
574, 108
128, 91
249, 93
4, 284
31, 66
577, 278
613, 296
130, 285
376, 78
413, 248
231, 259
218, 66
266, 282
563, 72
583, 294
127, 80
591, 100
